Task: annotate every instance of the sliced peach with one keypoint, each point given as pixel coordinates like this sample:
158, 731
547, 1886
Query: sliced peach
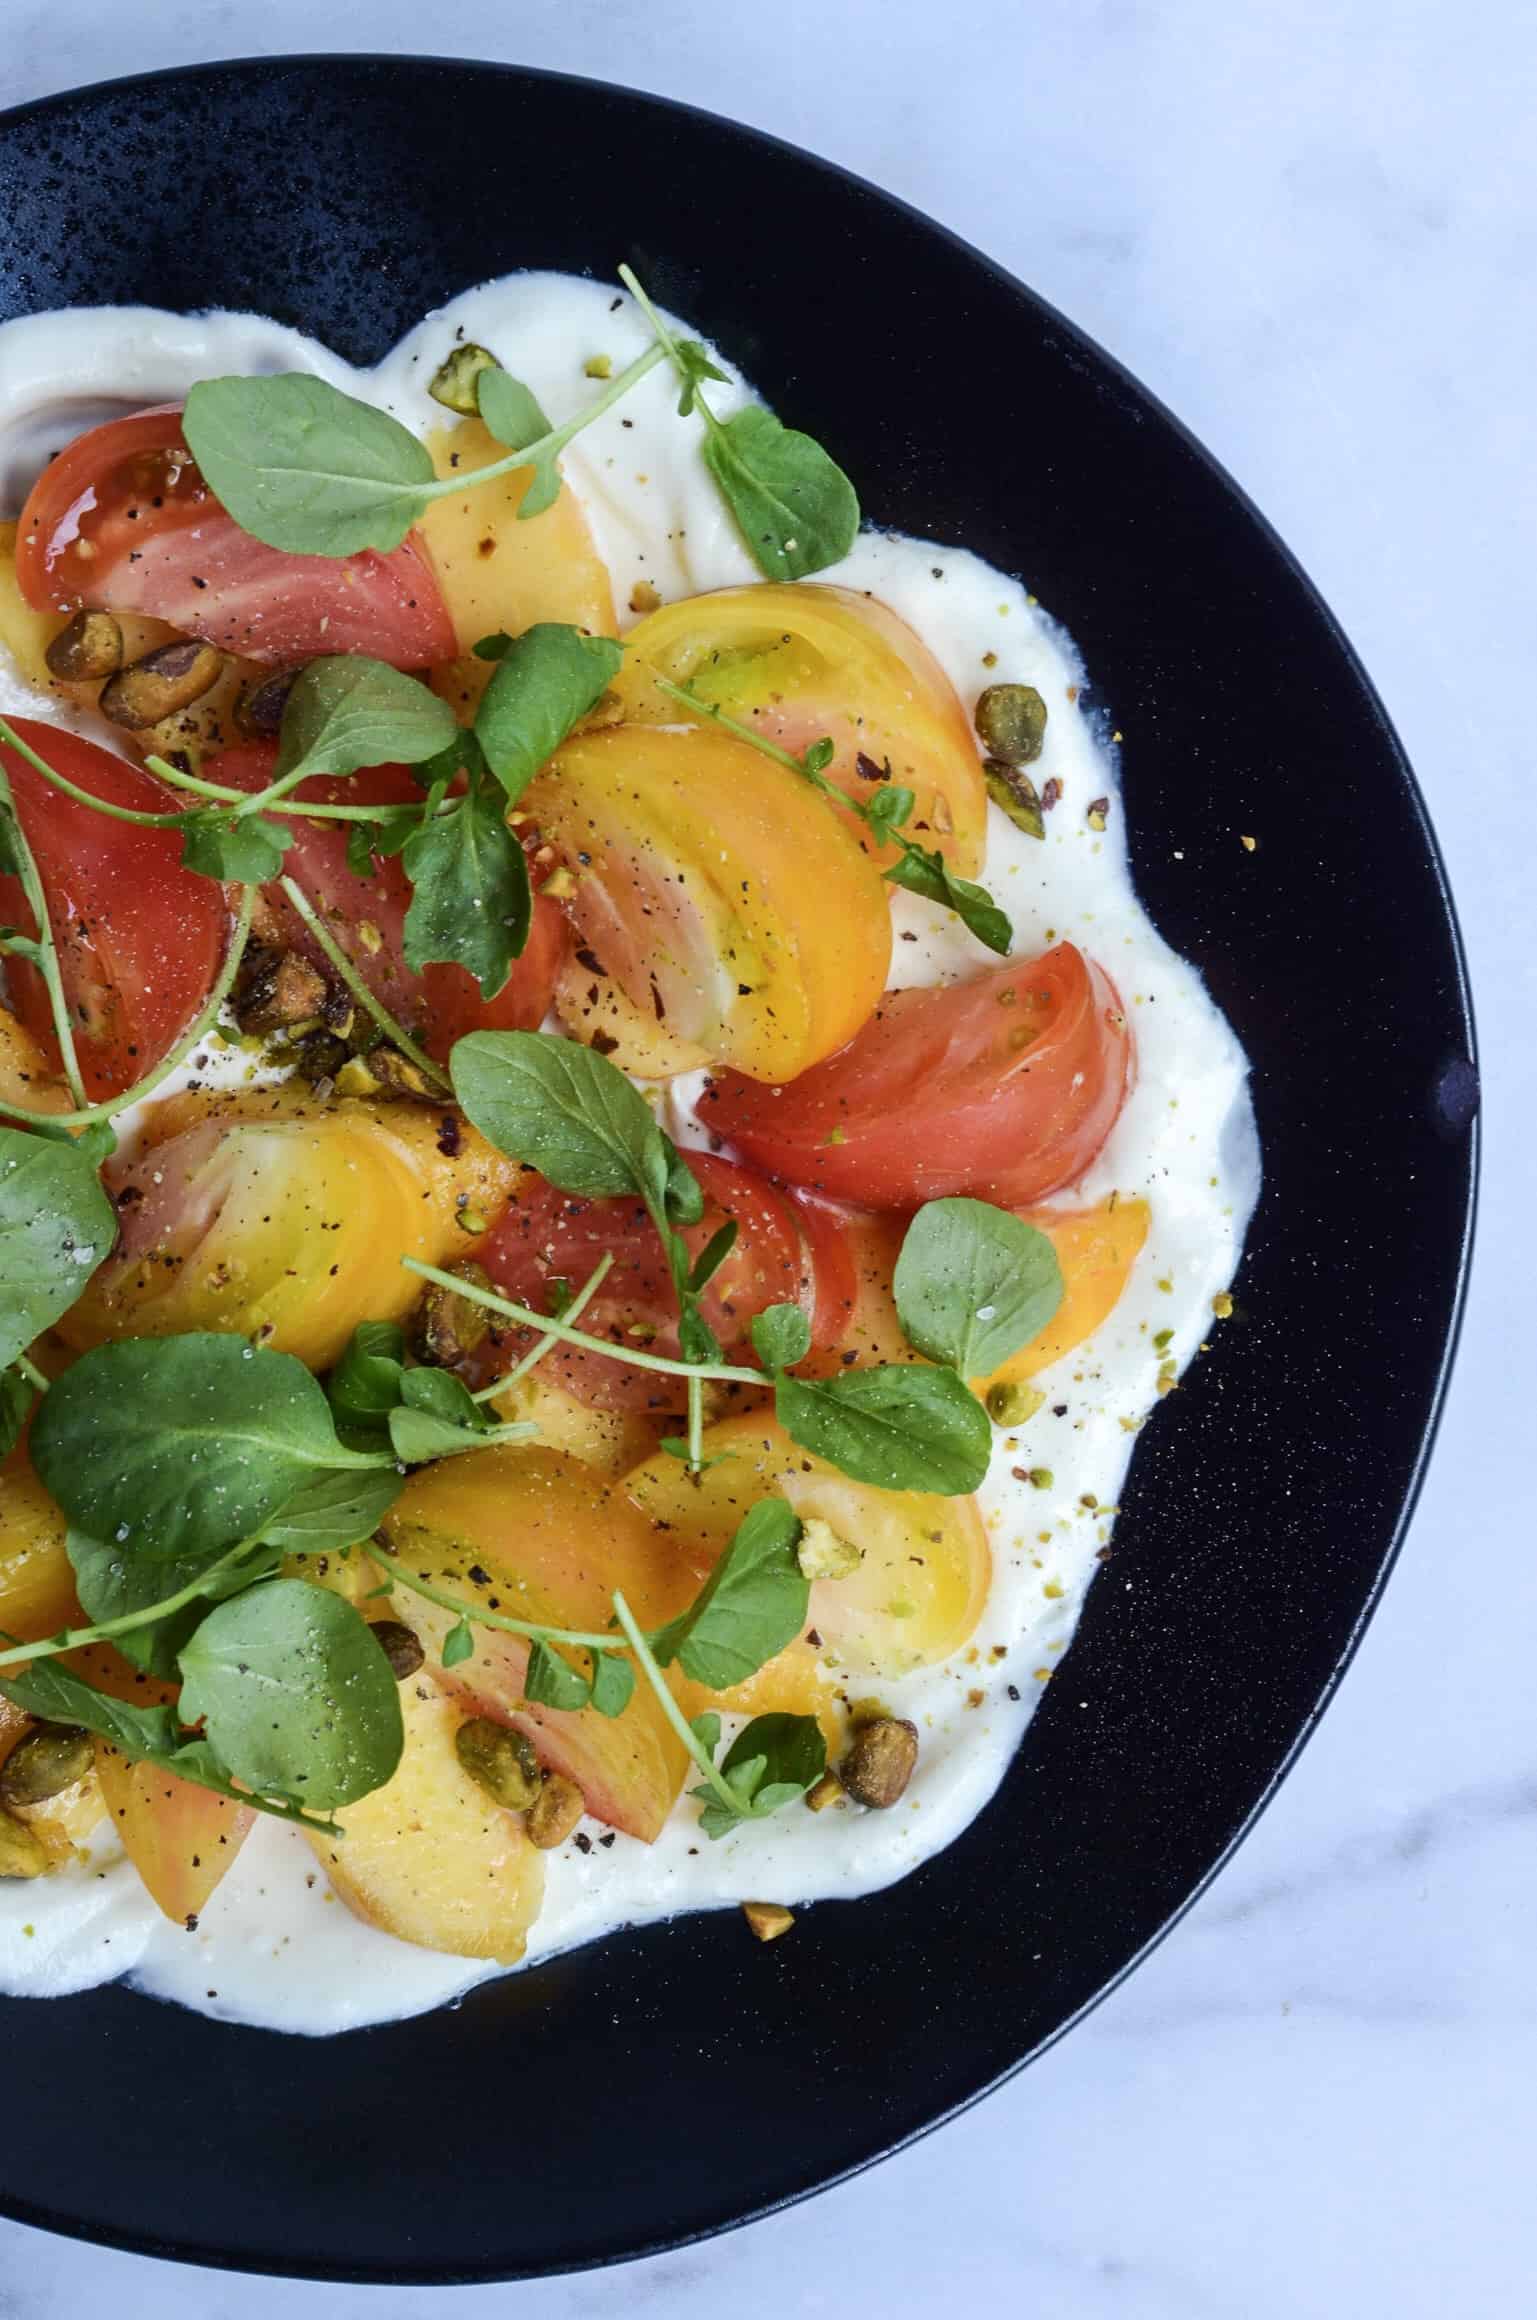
923, 1578
721, 896
497, 572
269, 1214
37, 1585
180, 1838
429, 1857
536, 1536
803, 661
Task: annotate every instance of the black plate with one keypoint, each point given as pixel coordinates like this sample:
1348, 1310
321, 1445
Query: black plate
668, 2083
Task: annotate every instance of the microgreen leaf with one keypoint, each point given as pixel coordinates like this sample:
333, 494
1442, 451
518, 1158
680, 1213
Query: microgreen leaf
902, 1427
683, 1198
56, 1225
973, 1284
613, 1683
753, 1603
182, 1445
438, 1417
545, 680
781, 1336
510, 409
928, 874
694, 366
347, 712
296, 1697
471, 905
239, 853
304, 467
888, 807
796, 509
458, 1644
713, 1255
772, 1761
551, 1681
562, 1109
16, 1399
365, 1385
334, 1511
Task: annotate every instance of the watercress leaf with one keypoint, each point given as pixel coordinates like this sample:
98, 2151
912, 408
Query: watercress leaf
542, 489
706, 1730
510, 409
112, 1582
713, 1255
439, 1417
922, 872
820, 755
683, 1198
56, 1225
675, 1446
717, 1819
243, 853
47, 1688
546, 680
365, 1385
792, 1753
694, 366
697, 1341
419, 1436
743, 1778
16, 1398
197, 1760
179, 1446
364, 841
974, 1283
781, 1336
889, 806
796, 509
458, 1644
346, 712
304, 467
562, 1109
902, 1427
295, 1696
334, 1511
752, 1605
613, 1683
552, 1682
495, 647
471, 904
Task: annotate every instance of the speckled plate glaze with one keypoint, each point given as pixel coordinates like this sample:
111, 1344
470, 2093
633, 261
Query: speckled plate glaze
669, 2083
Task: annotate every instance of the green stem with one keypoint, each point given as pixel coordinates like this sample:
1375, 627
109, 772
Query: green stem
71, 1639
30, 1371
548, 1342
546, 447
37, 901
482, 1618
84, 797
174, 778
90, 1113
528, 1319
669, 1705
360, 991
242, 799
784, 757
695, 1423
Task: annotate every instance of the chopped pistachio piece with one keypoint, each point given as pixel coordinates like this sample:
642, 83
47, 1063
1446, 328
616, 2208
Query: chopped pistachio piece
1012, 1405
880, 1762
1016, 795
453, 383
49, 1759
501, 1760
824, 1792
400, 1645
824, 1553
91, 646
555, 1811
22, 1853
768, 1919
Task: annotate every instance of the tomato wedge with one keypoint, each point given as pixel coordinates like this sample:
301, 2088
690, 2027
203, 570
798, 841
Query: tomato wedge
123, 521
1003, 1087
139, 937
367, 915
548, 1237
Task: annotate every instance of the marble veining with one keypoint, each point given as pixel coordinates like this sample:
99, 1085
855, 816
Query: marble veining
1316, 237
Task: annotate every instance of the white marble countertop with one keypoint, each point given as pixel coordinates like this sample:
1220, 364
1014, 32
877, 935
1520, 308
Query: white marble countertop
1313, 232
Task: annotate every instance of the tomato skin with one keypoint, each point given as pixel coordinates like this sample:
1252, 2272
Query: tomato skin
139, 937
1003, 1087
548, 1235
123, 521
443, 1003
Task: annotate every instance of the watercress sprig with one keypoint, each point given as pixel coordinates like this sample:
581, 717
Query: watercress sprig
920, 869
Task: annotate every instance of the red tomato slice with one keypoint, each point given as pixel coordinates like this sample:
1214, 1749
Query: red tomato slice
367, 915
139, 938
548, 1236
123, 521
1003, 1087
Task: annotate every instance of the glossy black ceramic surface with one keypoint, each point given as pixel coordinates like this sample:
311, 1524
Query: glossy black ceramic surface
670, 2082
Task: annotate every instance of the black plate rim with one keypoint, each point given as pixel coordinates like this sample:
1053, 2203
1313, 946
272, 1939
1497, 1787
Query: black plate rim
732, 2217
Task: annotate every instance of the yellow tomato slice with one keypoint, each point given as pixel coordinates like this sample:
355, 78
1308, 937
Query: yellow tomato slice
499, 573
27, 1079
285, 1219
720, 896
801, 661
918, 1591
